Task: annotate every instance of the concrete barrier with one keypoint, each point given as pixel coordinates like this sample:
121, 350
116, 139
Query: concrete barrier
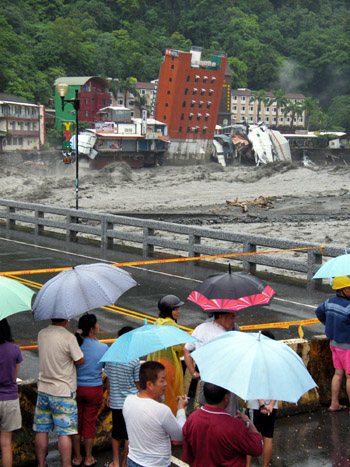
315, 354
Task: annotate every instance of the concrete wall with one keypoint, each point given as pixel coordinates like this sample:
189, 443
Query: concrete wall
315, 354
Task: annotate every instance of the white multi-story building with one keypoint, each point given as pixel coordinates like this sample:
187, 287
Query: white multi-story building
22, 124
244, 109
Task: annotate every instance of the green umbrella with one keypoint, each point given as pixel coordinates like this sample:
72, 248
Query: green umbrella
14, 297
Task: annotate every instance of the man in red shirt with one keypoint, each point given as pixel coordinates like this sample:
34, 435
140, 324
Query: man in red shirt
214, 438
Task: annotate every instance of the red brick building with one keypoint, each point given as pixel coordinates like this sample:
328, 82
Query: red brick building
189, 94
93, 93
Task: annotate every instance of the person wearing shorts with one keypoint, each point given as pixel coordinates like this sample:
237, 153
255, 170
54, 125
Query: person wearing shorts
334, 313
263, 413
123, 380
10, 413
56, 407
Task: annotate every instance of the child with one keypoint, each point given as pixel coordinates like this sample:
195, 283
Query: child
264, 415
123, 380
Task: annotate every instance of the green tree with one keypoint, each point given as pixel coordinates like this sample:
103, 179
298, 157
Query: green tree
339, 112
239, 72
280, 99
261, 98
292, 110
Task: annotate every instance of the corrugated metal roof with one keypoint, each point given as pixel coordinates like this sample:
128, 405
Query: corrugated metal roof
77, 80
14, 99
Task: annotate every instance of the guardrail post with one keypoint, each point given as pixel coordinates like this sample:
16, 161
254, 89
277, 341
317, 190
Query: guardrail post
192, 241
247, 265
10, 223
71, 235
106, 241
148, 248
39, 228
314, 258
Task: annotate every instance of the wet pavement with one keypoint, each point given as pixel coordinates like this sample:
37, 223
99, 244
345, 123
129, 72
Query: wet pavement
311, 439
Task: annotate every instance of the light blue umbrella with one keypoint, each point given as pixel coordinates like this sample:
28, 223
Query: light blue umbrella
145, 340
253, 366
339, 266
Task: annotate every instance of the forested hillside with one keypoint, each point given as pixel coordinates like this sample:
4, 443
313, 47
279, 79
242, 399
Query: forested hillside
294, 45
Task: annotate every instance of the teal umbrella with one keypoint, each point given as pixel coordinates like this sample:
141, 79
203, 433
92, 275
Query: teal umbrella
339, 266
143, 341
253, 366
14, 297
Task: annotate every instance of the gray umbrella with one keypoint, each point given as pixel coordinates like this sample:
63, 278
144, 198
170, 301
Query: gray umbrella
80, 289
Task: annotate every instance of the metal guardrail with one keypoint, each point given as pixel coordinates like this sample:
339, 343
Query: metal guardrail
155, 236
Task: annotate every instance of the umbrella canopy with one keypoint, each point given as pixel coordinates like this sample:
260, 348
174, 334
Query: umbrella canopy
339, 266
80, 289
231, 292
143, 341
14, 297
253, 366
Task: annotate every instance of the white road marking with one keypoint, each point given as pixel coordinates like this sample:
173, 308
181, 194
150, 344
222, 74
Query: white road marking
138, 267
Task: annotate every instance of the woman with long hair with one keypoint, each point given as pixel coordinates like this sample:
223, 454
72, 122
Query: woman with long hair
10, 412
169, 313
90, 387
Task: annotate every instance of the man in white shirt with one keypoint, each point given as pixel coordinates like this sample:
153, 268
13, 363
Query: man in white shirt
223, 321
149, 423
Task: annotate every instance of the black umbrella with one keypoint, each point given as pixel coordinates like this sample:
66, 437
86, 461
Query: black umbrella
231, 292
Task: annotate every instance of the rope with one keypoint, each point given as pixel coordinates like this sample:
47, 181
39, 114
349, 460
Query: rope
162, 261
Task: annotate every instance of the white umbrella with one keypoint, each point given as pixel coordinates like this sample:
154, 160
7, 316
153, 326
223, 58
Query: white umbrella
80, 289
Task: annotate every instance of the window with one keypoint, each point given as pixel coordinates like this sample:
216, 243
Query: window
206, 117
202, 92
86, 100
184, 104
172, 67
170, 80
251, 109
120, 102
194, 92
267, 109
281, 120
166, 105
267, 119
200, 104
182, 116
180, 129
301, 120
190, 116
188, 129
186, 92
210, 92
196, 78
208, 104
204, 129
168, 92
243, 108
205, 78
250, 119
287, 119
243, 99
164, 117
86, 113
198, 117
188, 78
192, 103
274, 119
234, 98
212, 80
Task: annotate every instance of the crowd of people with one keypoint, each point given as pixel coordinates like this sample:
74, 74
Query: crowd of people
148, 401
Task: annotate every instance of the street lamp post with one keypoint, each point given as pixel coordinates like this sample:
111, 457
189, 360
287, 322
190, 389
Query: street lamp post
62, 90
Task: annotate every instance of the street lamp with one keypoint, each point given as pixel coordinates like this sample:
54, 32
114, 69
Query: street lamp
62, 90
